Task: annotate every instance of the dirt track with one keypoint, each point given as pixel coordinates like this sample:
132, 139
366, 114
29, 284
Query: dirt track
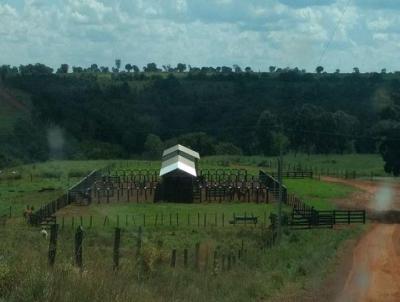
374, 274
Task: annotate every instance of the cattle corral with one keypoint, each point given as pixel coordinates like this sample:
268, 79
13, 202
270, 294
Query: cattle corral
173, 230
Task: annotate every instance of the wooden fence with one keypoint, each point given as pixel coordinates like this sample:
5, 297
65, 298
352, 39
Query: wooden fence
305, 216
45, 214
294, 174
115, 190
201, 259
198, 219
273, 185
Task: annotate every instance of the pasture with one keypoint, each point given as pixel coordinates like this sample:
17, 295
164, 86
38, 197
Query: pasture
296, 265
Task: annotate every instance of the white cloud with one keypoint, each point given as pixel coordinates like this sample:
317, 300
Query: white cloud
258, 33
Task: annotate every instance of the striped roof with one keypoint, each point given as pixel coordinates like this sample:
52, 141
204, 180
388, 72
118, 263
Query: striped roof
182, 149
178, 163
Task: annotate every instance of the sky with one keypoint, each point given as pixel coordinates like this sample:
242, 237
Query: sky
336, 34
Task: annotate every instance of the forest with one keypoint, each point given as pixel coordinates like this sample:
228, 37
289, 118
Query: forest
92, 113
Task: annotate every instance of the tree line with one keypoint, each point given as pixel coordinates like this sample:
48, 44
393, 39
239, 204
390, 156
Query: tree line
215, 111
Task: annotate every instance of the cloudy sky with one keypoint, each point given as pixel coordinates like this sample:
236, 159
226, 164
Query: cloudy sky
259, 33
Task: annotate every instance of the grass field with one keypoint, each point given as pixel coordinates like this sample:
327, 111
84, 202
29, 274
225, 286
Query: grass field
317, 193
299, 263
19, 186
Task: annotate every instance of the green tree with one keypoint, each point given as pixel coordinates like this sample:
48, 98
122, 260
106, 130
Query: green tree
151, 67
128, 67
135, 69
198, 141
389, 130
223, 148
118, 64
63, 69
181, 67
237, 68
319, 69
266, 127
153, 147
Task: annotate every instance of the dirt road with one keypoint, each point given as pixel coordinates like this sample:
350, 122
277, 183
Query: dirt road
374, 274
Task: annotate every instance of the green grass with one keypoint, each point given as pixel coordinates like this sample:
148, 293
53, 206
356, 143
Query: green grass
299, 263
19, 186
363, 164
317, 193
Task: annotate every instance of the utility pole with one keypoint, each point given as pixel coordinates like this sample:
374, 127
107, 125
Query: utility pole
280, 164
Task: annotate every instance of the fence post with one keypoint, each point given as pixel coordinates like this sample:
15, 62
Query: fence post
363, 216
139, 241
53, 244
197, 256
173, 258
185, 258
215, 261
117, 240
78, 247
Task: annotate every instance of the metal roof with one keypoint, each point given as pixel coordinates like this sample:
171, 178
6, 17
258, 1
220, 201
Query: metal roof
181, 149
178, 163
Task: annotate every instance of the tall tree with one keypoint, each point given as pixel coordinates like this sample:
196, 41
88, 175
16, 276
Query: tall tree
118, 64
135, 69
63, 68
181, 67
319, 69
128, 67
267, 126
389, 129
153, 147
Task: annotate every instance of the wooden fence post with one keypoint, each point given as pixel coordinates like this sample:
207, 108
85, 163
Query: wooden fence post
78, 247
53, 244
197, 256
173, 258
117, 241
215, 261
185, 258
139, 242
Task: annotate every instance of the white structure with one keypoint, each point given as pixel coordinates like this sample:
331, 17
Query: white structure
179, 160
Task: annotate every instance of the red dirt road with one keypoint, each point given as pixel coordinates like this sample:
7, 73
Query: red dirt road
375, 272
